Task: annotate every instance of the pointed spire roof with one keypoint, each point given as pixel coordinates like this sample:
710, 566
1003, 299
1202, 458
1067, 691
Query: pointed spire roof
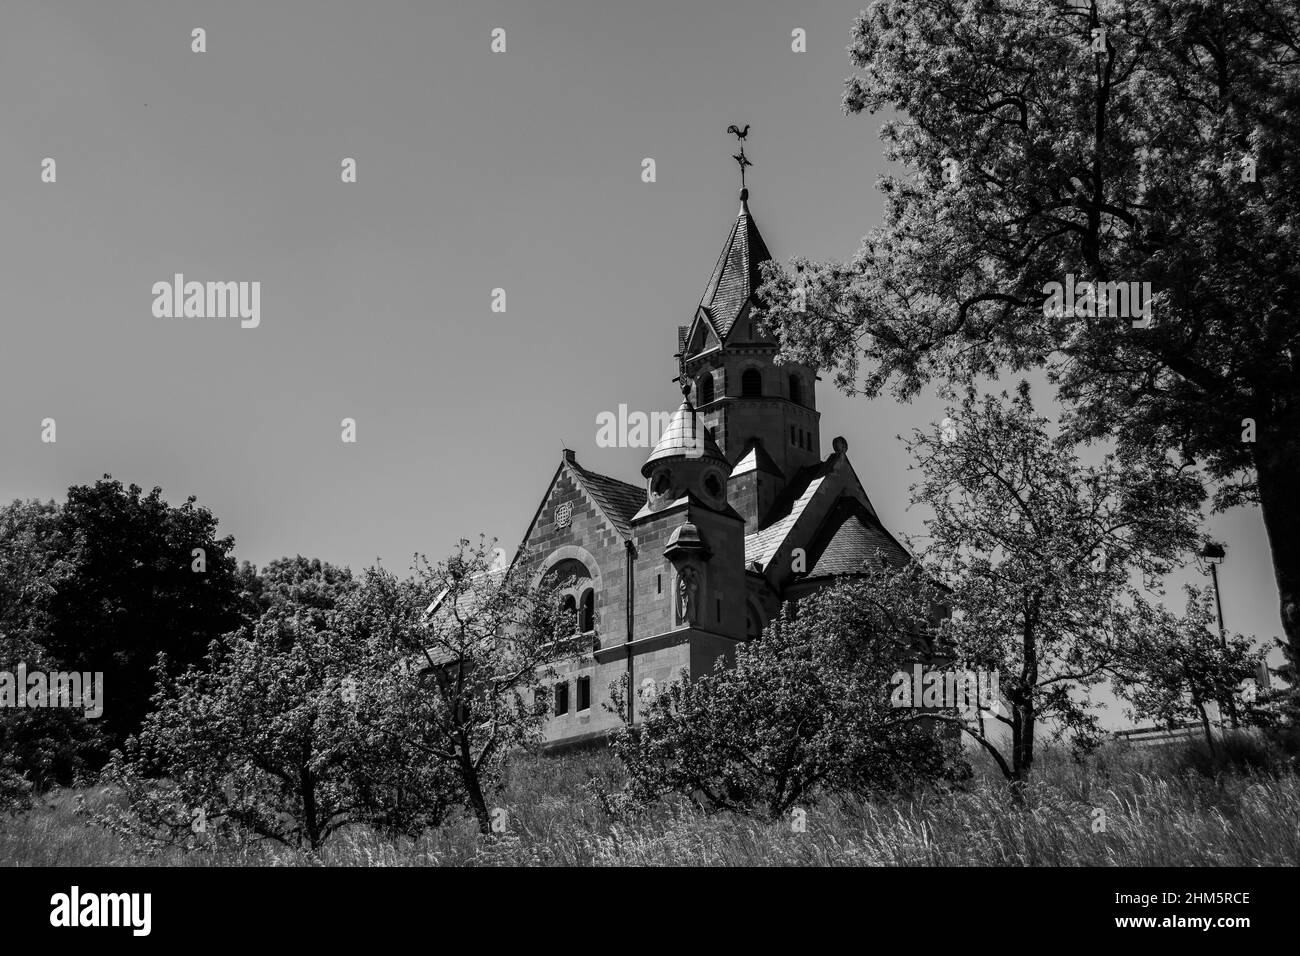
735, 277
685, 437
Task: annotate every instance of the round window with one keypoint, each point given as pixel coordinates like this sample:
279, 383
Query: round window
564, 515
661, 484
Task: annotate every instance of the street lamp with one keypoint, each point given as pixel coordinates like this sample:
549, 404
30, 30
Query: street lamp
1213, 554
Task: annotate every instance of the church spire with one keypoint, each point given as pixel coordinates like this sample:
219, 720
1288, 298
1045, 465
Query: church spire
743, 396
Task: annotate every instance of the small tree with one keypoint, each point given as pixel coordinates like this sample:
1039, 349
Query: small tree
1038, 549
478, 658
1177, 665
805, 711
284, 734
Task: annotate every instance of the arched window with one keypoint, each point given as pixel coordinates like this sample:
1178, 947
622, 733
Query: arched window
793, 435
569, 607
587, 619
751, 383
706, 389
796, 390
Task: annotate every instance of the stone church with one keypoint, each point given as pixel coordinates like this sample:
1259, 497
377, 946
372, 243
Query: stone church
737, 512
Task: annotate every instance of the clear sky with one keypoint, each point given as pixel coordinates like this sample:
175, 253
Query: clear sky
519, 170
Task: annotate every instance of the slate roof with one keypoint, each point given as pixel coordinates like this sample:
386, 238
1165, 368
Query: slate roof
619, 500
763, 544
855, 539
735, 277
849, 535
682, 438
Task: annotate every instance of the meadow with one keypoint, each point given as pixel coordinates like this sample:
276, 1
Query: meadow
1121, 806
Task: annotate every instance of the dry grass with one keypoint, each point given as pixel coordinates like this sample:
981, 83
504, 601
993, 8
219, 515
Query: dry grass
1157, 812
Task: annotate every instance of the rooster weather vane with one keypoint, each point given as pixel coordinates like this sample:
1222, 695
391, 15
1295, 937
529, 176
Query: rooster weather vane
741, 159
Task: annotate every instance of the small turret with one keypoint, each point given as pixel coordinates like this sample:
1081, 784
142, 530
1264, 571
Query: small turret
686, 461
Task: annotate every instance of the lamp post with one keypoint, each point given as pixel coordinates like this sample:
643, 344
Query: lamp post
1213, 554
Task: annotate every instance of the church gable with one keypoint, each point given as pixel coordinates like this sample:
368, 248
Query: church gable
584, 508
802, 512
701, 335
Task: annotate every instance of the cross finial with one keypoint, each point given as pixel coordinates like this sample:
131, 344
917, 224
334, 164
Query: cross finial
741, 159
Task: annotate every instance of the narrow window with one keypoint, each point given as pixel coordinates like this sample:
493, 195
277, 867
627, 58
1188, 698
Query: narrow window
751, 384
569, 610
796, 393
718, 606
561, 698
659, 584
584, 693
792, 436
587, 619
706, 389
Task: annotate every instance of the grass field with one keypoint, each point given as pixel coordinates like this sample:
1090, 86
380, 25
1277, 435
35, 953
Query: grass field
1161, 807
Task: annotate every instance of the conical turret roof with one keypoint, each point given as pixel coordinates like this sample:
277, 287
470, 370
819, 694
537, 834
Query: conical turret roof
685, 437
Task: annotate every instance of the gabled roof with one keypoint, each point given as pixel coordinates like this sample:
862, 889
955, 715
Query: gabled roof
762, 545
617, 499
736, 276
850, 539
756, 459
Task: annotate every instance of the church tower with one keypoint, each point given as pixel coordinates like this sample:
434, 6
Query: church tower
762, 415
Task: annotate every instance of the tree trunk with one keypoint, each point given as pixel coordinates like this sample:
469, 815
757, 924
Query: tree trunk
308, 788
1205, 721
469, 776
1277, 462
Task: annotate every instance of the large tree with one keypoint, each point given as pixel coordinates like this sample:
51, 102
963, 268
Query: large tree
1116, 141
138, 577
39, 747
